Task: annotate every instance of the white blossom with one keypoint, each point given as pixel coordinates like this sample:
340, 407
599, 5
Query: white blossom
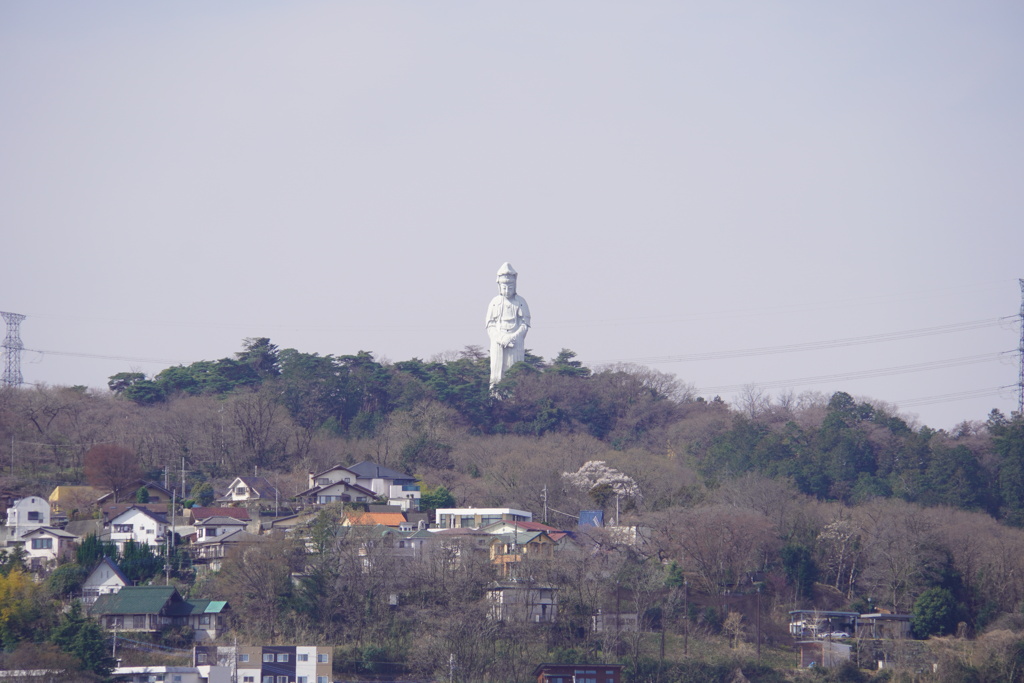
597, 473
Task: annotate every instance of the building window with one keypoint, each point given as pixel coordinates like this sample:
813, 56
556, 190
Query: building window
243, 658
282, 679
282, 657
34, 516
248, 679
321, 658
176, 678
269, 657
268, 679
302, 679
205, 619
301, 658
123, 528
321, 679
42, 544
201, 658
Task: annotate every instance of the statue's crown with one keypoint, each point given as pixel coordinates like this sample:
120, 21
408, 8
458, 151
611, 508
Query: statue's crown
506, 270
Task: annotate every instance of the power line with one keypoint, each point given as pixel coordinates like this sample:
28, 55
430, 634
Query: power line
956, 396
824, 344
130, 359
863, 374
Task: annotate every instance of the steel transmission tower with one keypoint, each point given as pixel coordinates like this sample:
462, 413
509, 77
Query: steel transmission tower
12, 349
1020, 380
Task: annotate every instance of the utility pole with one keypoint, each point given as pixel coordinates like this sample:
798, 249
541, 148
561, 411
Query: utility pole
759, 624
546, 488
12, 349
686, 617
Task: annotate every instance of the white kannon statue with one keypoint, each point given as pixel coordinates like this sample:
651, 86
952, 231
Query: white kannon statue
508, 321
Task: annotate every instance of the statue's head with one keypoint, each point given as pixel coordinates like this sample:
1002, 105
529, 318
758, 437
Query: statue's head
507, 280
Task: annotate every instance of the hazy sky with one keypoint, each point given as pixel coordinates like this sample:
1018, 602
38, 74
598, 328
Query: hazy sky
672, 180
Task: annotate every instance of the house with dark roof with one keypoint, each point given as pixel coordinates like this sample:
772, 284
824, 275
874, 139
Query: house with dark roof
336, 485
251, 491
210, 528
397, 487
140, 525
212, 551
46, 546
157, 493
197, 514
150, 609
106, 578
578, 673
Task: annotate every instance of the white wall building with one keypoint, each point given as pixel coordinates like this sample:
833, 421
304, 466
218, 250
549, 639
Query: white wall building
474, 518
26, 514
139, 525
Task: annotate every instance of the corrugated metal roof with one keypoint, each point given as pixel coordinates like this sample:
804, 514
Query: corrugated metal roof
135, 600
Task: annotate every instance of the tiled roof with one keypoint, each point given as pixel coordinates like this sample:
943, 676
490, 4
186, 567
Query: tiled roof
159, 517
369, 470
220, 520
392, 519
199, 513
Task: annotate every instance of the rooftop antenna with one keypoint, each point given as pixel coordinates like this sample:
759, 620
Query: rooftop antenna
12, 349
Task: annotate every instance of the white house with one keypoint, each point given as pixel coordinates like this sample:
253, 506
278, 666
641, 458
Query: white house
400, 489
251, 490
25, 514
139, 525
106, 578
44, 546
474, 518
337, 485
212, 527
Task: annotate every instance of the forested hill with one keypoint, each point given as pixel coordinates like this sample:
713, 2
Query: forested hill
284, 404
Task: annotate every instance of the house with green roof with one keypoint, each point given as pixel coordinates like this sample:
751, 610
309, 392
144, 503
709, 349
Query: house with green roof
151, 609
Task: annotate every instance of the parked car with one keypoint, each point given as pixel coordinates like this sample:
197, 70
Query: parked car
834, 635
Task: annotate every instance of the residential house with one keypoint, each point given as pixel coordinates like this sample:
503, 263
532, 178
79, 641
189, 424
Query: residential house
336, 485
107, 578
514, 601
395, 520
156, 492
508, 550
476, 518
210, 528
151, 609
211, 552
69, 500
398, 488
251, 491
172, 674
46, 546
191, 515
110, 510
811, 623
83, 528
559, 536
140, 525
578, 673
269, 663
884, 625
26, 514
